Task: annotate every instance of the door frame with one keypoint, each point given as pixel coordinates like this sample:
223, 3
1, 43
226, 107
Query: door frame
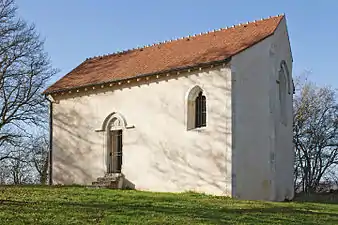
115, 151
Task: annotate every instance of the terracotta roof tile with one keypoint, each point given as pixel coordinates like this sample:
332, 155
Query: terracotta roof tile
189, 51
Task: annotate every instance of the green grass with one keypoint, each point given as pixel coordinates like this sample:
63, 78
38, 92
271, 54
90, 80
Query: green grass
80, 205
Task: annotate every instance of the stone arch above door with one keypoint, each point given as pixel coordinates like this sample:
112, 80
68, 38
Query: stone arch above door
112, 128
114, 120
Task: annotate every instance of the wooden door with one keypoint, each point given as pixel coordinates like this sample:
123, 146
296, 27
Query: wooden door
117, 151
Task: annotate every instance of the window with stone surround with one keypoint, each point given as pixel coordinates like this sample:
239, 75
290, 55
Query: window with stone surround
284, 82
196, 108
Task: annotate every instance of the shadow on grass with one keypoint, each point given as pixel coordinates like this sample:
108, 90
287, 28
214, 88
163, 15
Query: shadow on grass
150, 210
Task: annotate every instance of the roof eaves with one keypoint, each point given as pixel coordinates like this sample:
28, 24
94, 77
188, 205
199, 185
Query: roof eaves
178, 69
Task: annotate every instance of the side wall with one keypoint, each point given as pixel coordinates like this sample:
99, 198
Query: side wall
159, 153
262, 146
284, 150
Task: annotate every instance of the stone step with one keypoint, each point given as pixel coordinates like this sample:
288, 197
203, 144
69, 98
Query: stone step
104, 182
110, 180
104, 186
109, 184
104, 179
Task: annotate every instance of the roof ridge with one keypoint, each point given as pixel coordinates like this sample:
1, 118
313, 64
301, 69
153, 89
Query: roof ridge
173, 56
182, 38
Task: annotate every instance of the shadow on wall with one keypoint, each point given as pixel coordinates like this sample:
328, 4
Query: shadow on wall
74, 165
68, 157
206, 166
79, 152
190, 173
74, 158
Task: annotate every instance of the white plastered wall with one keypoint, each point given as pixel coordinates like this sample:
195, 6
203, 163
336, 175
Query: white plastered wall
284, 151
159, 153
262, 146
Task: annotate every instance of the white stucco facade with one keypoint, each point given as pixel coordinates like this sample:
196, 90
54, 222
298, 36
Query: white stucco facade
261, 144
244, 151
159, 153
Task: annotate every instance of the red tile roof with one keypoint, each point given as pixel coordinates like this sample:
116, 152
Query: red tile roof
188, 51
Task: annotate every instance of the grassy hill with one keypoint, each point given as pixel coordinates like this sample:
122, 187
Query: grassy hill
80, 205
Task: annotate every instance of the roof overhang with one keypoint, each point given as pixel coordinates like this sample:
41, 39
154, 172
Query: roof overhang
160, 74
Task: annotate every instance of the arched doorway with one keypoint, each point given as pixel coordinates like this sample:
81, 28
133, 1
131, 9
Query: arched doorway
113, 126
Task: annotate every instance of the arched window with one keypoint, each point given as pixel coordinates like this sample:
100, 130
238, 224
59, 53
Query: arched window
285, 70
284, 90
196, 108
200, 111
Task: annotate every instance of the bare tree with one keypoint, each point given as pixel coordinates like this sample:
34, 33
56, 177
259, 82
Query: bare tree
17, 169
28, 162
24, 71
4, 172
39, 157
315, 135
20, 172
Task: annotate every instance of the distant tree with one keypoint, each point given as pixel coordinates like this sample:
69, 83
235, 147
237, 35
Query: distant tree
19, 172
315, 135
4, 172
28, 162
17, 169
39, 157
24, 71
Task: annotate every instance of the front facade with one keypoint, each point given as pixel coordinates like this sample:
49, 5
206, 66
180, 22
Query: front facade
222, 127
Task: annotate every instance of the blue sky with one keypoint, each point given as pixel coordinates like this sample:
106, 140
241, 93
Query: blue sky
77, 29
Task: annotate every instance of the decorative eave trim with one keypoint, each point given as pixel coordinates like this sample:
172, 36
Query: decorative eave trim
128, 79
160, 74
